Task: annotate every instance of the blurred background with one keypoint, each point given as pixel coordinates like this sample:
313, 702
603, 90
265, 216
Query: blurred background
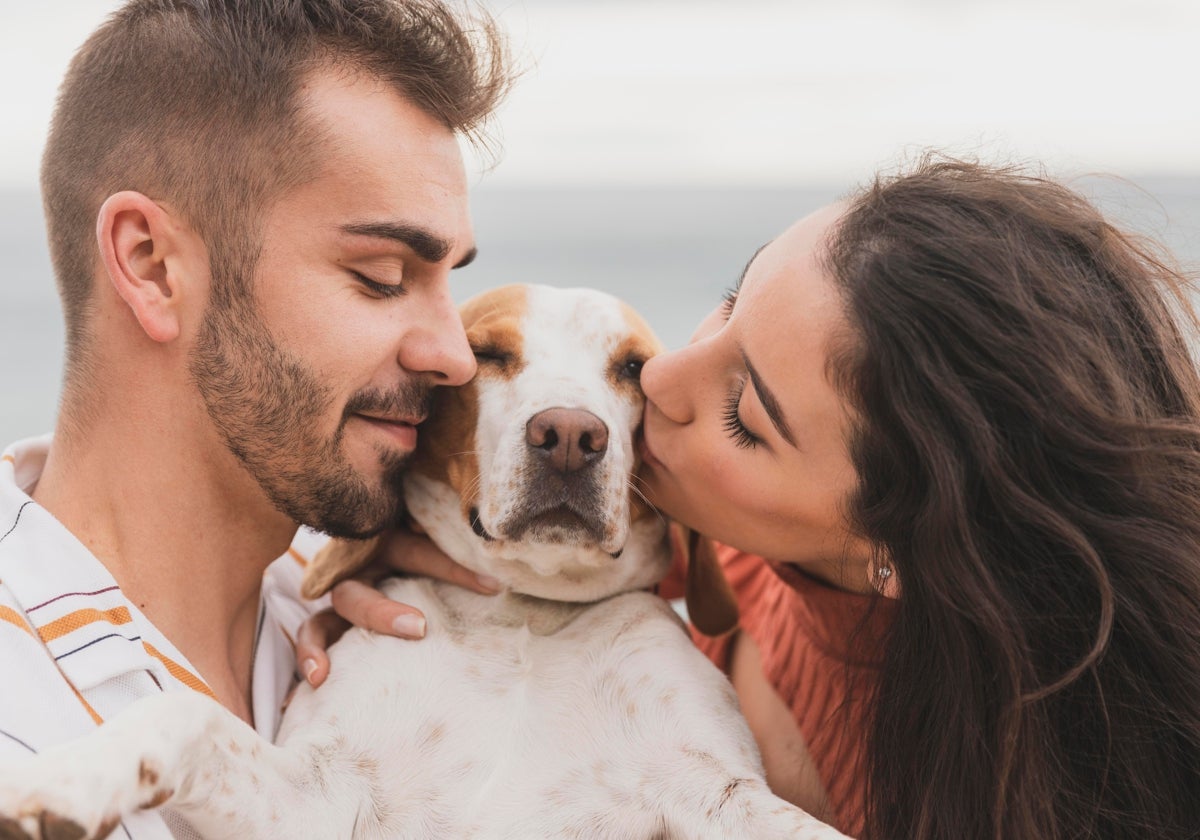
653, 145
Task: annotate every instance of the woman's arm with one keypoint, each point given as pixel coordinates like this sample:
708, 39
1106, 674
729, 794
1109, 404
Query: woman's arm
791, 772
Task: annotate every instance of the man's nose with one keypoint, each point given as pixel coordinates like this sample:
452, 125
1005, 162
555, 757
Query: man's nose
438, 346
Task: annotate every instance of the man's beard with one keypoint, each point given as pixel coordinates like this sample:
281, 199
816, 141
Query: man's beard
269, 408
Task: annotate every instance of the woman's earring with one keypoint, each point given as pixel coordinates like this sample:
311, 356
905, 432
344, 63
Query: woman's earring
884, 580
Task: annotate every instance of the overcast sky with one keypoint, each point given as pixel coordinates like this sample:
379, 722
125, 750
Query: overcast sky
761, 92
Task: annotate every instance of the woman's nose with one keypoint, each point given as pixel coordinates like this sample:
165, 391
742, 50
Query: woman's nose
666, 384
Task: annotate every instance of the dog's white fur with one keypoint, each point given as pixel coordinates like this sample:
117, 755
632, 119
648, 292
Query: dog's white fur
574, 705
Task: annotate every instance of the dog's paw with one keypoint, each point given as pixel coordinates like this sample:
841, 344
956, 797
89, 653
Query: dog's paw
46, 798
49, 826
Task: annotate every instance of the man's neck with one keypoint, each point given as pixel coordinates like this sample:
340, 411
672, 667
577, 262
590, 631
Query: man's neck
183, 529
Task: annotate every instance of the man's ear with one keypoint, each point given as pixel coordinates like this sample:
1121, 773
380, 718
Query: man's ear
142, 248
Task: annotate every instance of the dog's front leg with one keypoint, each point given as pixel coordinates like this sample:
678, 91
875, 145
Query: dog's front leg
185, 751
716, 805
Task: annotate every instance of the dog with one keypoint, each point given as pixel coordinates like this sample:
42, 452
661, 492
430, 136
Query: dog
572, 705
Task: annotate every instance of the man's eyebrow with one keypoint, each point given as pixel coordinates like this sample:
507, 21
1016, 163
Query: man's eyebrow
426, 245
769, 403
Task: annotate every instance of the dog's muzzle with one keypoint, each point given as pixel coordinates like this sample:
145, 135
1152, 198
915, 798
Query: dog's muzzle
562, 500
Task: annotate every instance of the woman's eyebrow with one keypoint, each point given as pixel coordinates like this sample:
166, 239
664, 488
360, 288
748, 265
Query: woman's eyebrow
769, 403
749, 263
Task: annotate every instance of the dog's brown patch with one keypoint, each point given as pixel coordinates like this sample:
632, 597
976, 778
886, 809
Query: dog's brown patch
147, 775
337, 560
641, 344
11, 830
154, 801
54, 827
446, 451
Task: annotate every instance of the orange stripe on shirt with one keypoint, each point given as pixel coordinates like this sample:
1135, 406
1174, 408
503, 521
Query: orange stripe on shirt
179, 672
87, 706
71, 622
10, 459
13, 617
298, 557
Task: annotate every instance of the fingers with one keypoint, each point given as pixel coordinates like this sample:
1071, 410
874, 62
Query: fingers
313, 640
415, 554
365, 606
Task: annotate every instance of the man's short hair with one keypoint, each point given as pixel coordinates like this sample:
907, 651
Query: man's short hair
195, 103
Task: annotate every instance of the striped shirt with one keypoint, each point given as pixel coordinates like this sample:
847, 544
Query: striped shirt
74, 651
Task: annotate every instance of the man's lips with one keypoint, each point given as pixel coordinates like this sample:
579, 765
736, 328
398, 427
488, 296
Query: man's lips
403, 430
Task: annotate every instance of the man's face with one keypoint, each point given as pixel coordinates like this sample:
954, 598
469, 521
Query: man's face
317, 374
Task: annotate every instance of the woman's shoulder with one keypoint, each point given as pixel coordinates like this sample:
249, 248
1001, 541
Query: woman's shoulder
784, 609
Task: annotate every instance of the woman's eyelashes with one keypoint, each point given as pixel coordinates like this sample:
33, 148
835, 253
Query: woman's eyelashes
729, 300
742, 437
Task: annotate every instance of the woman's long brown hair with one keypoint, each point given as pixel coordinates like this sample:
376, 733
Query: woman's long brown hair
1028, 450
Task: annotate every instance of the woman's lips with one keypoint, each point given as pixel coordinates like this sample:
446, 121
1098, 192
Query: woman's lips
647, 453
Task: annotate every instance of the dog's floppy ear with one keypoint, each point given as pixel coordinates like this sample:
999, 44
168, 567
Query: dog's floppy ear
338, 560
711, 605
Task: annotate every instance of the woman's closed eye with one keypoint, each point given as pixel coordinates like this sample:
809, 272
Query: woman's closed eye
729, 300
742, 437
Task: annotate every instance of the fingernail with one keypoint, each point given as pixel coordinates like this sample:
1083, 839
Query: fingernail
488, 582
307, 667
410, 625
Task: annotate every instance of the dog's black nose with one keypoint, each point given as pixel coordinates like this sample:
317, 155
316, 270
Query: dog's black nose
570, 438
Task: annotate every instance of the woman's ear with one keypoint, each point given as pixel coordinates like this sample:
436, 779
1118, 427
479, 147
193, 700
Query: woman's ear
711, 605
142, 251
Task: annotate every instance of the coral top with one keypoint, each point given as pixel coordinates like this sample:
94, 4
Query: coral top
820, 650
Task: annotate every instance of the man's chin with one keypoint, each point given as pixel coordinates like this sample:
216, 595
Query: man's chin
360, 511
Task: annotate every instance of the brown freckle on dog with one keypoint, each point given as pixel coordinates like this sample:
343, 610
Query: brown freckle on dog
366, 766
728, 792
147, 775
436, 733
153, 802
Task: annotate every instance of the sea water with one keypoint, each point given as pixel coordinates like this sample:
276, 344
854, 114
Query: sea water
670, 252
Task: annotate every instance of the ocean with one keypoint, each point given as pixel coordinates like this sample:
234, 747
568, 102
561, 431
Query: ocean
670, 252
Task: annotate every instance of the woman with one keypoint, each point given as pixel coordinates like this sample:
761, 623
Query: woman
959, 416
965, 389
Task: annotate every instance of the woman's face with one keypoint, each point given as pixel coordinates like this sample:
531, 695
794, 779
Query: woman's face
745, 436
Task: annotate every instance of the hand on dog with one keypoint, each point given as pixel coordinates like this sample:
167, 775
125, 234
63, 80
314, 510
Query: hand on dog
357, 602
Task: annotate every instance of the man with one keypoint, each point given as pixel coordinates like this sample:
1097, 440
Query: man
253, 208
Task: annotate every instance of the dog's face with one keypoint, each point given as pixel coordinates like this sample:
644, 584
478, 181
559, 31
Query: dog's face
526, 473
